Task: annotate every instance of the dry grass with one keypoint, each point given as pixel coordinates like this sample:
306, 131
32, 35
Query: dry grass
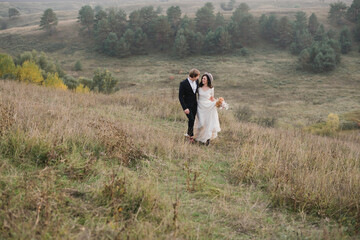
66, 171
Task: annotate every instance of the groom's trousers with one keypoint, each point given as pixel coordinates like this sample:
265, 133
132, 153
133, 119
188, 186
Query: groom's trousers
191, 117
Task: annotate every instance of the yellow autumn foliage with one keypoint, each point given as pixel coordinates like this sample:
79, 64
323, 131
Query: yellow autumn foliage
29, 72
54, 81
7, 66
82, 89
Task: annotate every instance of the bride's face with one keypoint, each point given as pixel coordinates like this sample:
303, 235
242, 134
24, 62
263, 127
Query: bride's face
204, 80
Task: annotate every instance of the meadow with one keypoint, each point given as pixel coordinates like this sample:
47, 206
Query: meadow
95, 166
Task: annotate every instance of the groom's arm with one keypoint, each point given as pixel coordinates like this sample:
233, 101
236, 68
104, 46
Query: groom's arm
181, 97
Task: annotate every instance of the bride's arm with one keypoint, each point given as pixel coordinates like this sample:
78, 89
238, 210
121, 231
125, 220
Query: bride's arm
212, 95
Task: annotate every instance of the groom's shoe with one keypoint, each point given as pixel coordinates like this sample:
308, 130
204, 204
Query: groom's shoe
207, 142
191, 140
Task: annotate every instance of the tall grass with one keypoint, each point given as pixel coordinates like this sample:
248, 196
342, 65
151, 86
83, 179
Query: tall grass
109, 166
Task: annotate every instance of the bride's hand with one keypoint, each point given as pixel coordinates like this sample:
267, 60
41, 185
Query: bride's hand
212, 99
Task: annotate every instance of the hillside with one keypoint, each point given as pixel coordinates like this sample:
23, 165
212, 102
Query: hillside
107, 167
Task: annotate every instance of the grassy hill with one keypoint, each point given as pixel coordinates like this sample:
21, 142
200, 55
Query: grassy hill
104, 167
117, 166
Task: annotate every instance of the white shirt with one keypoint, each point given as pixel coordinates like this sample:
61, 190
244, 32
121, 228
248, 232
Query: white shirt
193, 85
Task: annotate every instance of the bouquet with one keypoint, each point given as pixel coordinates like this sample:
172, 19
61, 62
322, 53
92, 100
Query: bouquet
221, 104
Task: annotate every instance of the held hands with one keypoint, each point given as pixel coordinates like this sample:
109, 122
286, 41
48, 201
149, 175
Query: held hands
187, 111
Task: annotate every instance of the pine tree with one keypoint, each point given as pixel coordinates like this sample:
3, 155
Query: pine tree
138, 47
313, 24
345, 40
205, 18
110, 44
300, 24
86, 17
353, 13
219, 20
162, 33
209, 43
122, 48
285, 29
337, 12
302, 40
223, 40
103, 81
181, 47
320, 33
174, 16
49, 21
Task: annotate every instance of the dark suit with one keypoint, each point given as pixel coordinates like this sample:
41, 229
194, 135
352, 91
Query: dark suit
188, 100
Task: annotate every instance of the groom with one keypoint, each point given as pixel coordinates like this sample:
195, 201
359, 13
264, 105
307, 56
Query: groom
187, 97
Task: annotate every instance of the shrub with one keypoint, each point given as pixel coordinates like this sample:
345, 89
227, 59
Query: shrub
54, 81
7, 66
70, 82
82, 89
78, 66
328, 128
29, 72
244, 52
103, 81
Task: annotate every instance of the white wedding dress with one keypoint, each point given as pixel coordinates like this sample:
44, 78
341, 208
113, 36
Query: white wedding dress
207, 120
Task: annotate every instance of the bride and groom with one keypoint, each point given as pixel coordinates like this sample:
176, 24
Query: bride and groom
199, 105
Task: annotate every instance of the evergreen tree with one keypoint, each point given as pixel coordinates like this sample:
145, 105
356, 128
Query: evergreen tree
320, 33
100, 15
357, 31
300, 24
302, 40
174, 16
205, 18
49, 21
102, 30
313, 24
86, 17
209, 43
195, 41
353, 13
219, 20
122, 48
110, 44
117, 20
138, 47
269, 27
285, 30
70, 82
345, 40
162, 33
13, 12
337, 12
223, 40
181, 47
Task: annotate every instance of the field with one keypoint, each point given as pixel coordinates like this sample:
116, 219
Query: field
93, 166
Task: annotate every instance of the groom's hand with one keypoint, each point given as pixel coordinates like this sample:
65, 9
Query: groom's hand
187, 111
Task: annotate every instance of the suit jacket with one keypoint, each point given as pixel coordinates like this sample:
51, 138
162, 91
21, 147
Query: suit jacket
187, 97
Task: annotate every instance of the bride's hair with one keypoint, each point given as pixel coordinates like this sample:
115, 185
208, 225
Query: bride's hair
208, 79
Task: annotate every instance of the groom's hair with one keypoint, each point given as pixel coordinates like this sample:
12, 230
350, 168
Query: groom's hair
194, 73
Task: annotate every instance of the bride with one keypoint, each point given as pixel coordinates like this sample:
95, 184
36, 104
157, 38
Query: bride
207, 123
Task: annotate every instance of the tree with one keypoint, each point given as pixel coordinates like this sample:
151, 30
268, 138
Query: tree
337, 12
13, 12
219, 20
320, 56
82, 89
117, 20
209, 43
103, 81
7, 66
78, 66
122, 48
86, 17
300, 23
138, 47
205, 18
162, 33
285, 30
269, 27
345, 40
320, 33
49, 21
110, 44
302, 40
353, 13
174, 16
54, 81
223, 40
29, 72
70, 82
357, 31
181, 47
313, 24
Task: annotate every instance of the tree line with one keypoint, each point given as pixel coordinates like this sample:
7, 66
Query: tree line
146, 30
